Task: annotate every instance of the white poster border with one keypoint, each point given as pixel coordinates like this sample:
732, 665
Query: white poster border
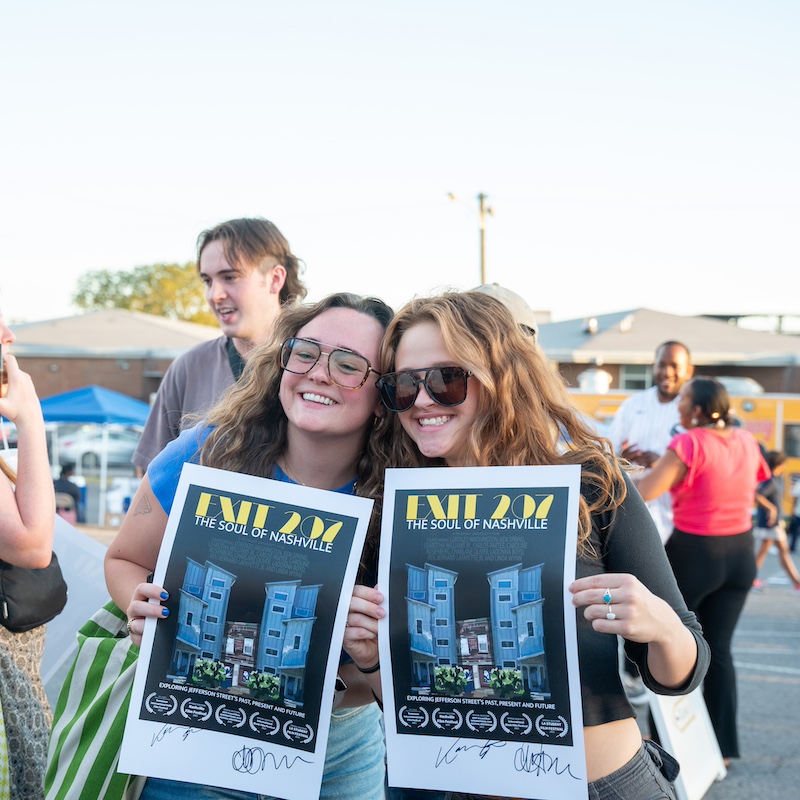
225, 759
485, 766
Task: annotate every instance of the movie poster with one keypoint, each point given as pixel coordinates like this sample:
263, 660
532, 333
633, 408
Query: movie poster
235, 687
479, 658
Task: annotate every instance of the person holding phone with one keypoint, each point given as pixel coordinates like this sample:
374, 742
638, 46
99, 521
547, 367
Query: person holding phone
27, 519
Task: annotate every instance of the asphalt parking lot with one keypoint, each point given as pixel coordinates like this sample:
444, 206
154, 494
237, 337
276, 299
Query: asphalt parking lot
767, 657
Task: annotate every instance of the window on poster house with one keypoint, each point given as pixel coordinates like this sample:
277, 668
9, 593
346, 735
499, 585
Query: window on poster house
248, 647
443, 662
419, 626
297, 642
207, 654
440, 622
504, 598
483, 643
507, 644
270, 651
441, 596
211, 619
281, 596
273, 633
215, 595
509, 664
506, 623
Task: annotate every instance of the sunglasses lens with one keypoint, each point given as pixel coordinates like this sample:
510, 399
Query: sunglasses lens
447, 386
398, 391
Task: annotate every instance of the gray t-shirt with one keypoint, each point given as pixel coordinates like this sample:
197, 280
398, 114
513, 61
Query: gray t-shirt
191, 385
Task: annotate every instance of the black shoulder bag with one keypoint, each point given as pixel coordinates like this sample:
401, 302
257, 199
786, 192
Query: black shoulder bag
29, 597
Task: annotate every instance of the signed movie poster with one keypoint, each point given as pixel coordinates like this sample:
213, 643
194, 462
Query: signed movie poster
481, 690
235, 687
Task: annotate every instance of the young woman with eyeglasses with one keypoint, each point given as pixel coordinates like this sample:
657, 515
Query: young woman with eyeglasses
466, 387
301, 413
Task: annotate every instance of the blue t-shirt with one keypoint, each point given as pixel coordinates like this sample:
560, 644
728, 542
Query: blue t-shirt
164, 471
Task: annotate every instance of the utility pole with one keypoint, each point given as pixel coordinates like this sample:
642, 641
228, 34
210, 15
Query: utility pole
483, 210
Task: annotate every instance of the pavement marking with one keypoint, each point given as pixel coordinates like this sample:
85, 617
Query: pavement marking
767, 668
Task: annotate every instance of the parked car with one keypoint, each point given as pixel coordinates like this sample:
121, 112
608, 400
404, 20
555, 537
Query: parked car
85, 447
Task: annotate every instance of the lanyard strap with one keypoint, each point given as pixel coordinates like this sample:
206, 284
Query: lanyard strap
235, 360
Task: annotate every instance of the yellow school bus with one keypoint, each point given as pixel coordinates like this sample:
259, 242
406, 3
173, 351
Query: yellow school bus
774, 419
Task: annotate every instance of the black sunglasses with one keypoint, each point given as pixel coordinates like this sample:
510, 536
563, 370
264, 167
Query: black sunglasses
446, 386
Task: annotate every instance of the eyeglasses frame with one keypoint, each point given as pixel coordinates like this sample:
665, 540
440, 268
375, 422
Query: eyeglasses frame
332, 350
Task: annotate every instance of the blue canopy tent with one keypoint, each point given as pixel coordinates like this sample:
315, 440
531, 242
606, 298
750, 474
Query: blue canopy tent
94, 404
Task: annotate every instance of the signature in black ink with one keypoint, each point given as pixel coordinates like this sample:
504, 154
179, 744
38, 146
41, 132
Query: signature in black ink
450, 755
167, 729
539, 762
254, 759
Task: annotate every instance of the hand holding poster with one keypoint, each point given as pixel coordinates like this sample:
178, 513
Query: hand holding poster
481, 690
235, 687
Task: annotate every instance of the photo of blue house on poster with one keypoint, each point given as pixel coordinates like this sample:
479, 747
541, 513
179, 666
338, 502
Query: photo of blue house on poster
277, 646
501, 654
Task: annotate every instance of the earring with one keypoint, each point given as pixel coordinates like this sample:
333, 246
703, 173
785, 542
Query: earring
694, 422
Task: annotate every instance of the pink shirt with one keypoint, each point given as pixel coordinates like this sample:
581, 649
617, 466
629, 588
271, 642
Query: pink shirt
716, 497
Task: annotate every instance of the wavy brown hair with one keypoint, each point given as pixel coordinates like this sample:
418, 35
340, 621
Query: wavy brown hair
525, 415
250, 242
249, 426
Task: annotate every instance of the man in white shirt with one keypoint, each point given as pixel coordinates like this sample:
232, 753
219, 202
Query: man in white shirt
646, 422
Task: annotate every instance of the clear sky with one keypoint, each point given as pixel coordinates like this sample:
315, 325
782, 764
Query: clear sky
634, 153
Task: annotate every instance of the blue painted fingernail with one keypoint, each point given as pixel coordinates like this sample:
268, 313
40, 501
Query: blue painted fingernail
164, 595
164, 612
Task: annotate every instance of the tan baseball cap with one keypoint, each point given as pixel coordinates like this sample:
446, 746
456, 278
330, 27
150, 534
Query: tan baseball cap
519, 309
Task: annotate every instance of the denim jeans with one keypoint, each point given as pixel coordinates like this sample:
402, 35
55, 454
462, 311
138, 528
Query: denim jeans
354, 765
647, 776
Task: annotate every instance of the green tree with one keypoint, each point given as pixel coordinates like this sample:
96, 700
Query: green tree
166, 290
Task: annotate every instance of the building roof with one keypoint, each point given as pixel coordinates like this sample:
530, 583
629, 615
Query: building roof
118, 333
631, 337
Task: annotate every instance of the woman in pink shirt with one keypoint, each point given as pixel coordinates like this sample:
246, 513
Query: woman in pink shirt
712, 471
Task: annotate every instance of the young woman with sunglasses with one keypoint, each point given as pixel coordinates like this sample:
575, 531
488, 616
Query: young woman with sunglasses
301, 413
468, 388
